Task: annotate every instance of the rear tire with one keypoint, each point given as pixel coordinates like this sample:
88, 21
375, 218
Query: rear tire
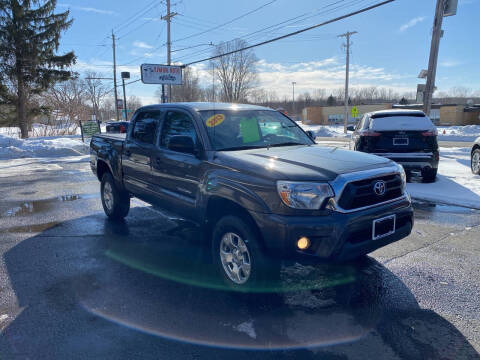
238, 257
475, 162
429, 175
115, 202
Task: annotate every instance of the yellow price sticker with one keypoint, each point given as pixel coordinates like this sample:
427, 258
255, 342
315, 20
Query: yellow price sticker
215, 120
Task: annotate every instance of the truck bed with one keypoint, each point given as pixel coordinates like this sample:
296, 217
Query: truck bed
113, 136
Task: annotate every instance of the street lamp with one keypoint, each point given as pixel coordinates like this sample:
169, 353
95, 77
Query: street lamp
125, 75
293, 97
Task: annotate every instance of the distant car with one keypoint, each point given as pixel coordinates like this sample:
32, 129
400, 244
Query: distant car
117, 127
407, 137
475, 157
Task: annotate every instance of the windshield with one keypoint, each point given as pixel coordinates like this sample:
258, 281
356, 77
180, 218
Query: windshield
236, 130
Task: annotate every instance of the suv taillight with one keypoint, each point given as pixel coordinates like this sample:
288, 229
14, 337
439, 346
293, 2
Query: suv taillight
429, 133
122, 128
369, 133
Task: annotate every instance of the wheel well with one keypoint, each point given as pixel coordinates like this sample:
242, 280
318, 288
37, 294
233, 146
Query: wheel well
218, 207
102, 168
475, 147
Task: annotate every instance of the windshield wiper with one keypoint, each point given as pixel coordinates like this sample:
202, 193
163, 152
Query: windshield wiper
287, 144
242, 148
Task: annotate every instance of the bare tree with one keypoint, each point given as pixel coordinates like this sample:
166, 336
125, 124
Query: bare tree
133, 103
68, 102
95, 90
190, 90
236, 72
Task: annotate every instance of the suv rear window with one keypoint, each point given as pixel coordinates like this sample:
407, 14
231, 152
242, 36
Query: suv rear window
399, 122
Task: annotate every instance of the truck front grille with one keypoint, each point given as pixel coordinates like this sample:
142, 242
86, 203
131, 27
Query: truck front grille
361, 193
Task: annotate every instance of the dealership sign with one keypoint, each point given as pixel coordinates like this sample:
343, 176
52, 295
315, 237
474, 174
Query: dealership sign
161, 74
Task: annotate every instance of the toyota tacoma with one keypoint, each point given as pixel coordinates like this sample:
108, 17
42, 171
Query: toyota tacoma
259, 186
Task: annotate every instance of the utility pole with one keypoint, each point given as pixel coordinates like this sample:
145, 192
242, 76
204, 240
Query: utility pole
432, 62
168, 18
115, 76
125, 75
293, 97
347, 69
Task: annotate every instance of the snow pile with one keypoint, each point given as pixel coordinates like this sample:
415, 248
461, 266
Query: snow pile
458, 133
455, 185
12, 148
324, 130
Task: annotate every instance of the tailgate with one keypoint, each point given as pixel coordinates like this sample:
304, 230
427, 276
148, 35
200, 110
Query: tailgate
403, 141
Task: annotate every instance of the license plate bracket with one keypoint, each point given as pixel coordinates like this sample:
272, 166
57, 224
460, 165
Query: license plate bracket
383, 227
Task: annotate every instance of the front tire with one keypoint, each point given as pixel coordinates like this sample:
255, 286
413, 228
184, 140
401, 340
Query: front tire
239, 258
429, 175
116, 203
475, 162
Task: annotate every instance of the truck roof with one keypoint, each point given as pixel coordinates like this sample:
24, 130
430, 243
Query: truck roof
201, 106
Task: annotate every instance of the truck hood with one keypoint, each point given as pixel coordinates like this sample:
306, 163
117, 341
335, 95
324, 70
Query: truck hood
300, 163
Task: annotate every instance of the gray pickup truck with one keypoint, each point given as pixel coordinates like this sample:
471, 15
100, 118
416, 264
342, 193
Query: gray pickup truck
259, 186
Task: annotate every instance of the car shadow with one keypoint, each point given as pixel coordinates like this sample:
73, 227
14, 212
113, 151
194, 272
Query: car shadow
143, 288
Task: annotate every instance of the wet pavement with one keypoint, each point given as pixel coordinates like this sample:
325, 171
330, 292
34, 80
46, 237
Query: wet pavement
74, 285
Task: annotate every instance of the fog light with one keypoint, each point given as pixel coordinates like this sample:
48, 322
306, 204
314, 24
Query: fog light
303, 243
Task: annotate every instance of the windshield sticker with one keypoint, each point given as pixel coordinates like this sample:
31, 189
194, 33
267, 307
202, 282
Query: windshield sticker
215, 120
249, 130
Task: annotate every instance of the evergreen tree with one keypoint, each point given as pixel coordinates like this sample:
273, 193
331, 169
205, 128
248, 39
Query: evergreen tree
29, 39
331, 101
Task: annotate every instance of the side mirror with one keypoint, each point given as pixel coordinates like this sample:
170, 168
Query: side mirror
310, 134
350, 128
181, 143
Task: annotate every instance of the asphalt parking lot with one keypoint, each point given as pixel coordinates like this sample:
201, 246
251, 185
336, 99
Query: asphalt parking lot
74, 285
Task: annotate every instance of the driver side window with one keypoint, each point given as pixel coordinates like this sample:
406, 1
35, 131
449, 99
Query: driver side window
177, 123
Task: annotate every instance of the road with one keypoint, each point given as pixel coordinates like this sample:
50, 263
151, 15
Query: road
74, 285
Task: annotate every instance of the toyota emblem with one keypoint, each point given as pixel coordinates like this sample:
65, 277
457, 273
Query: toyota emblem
380, 187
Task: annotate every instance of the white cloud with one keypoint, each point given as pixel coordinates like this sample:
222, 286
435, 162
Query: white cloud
142, 45
323, 74
411, 23
89, 9
450, 63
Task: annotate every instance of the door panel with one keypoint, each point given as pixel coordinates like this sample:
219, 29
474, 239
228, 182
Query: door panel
175, 174
138, 150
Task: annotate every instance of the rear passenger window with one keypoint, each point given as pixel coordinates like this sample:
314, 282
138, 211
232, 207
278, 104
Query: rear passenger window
177, 123
146, 126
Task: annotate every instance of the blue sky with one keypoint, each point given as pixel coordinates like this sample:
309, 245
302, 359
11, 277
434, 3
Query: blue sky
390, 49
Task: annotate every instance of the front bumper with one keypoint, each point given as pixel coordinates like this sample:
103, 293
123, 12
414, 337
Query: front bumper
334, 237
414, 161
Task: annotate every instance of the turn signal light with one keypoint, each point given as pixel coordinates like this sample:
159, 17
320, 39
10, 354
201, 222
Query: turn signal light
303, 243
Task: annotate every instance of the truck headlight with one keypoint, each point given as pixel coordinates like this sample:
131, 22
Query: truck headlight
403, 175
304, 195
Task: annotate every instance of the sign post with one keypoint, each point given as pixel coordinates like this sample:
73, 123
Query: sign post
88, 129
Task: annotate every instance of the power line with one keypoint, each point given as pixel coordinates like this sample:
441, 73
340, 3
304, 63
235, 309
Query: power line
295, 32
296, 19
138, 14
226, 23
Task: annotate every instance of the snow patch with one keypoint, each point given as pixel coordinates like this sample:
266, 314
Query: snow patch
324, 130
54, 146
247, 328
458, 133
455, 184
